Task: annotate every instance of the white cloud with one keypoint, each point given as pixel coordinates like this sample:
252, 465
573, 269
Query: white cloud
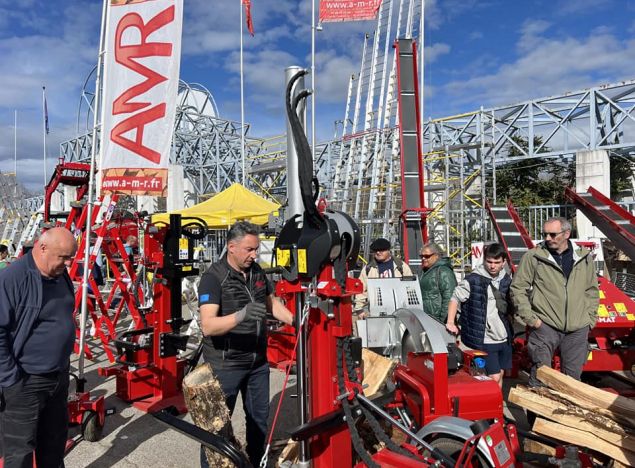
433, 52
568, 7
549, 67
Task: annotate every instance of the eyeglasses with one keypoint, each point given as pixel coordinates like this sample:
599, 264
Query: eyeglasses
553, 235
426, 256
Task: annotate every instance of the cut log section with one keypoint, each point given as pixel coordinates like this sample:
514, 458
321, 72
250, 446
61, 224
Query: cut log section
205, 401
532, 446
377, 369
617, 407
584, 439
546, 403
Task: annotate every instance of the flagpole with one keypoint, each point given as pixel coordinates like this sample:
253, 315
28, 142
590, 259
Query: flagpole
313, 79
44, 130
15, 150
242, 97
90, 197
422, 46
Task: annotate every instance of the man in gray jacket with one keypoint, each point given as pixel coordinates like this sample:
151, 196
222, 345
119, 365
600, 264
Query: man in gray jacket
555, 292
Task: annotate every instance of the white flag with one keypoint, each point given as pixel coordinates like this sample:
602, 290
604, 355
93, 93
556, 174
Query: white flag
141, 78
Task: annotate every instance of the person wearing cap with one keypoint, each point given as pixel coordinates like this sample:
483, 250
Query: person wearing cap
382, 265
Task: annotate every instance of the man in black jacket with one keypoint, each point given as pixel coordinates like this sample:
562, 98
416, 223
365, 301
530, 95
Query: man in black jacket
37, 333
234, 297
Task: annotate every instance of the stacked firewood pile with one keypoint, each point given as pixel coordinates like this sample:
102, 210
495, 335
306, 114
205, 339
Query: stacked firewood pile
579, 414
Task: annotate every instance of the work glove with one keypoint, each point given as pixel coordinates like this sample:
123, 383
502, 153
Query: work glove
252, 311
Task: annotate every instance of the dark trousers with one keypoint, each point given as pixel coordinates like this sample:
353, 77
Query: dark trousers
574, 350
253, 385
35, 418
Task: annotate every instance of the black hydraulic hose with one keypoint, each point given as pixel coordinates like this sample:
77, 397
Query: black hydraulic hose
358, 444
303, 150
195, 222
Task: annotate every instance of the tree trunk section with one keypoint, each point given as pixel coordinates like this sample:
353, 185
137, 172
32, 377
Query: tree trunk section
205, 401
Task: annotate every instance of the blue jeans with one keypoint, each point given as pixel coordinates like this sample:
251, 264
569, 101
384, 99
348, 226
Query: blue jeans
35, 418
253, 385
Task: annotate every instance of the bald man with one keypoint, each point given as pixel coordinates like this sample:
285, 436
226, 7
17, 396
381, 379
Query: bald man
37, 332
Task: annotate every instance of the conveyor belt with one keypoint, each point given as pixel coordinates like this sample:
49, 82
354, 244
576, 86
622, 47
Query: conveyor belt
510, 230
615, 222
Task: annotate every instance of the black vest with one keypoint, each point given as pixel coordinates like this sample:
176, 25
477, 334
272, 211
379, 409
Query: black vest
246, 344
474, 311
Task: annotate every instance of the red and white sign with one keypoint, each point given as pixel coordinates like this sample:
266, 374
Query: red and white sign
348, 10
141, 78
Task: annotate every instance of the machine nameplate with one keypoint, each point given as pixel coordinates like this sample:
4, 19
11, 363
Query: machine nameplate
183, 249
502, 453
283, 257
302, 266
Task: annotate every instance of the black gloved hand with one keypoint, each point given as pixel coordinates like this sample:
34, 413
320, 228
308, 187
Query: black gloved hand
252, 311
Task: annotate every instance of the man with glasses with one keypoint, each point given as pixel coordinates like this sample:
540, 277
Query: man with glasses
555, 292
382, 265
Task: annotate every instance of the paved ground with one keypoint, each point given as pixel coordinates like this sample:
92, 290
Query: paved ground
133, 439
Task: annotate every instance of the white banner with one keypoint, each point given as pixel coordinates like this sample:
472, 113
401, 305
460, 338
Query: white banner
140, 85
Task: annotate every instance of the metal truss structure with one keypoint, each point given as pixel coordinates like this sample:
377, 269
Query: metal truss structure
359, 168
462, 152
14, 209
365, 170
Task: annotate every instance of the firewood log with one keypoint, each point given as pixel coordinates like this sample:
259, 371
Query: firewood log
205, 401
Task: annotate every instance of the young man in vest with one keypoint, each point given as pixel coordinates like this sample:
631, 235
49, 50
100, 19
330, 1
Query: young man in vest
234, 297
485, 307
382, 265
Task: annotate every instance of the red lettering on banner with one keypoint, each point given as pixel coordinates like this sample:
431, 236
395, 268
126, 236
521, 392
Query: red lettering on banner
138, 122
477, 251
126, 55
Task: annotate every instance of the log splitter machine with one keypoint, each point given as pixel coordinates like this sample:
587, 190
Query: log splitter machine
314, 252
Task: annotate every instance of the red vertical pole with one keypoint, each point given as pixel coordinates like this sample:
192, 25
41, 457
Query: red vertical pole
332, 448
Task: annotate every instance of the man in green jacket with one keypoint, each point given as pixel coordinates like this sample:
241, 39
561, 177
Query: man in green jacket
555, 292
437, 281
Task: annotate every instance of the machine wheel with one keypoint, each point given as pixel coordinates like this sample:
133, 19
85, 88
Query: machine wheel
91, 429
452, 448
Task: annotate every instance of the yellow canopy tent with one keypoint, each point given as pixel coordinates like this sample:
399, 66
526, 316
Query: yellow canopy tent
223, 209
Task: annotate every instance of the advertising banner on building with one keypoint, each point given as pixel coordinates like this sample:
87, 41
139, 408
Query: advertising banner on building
140, 85
348, 10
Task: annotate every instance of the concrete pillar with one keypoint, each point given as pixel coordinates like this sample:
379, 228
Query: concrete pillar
592, 168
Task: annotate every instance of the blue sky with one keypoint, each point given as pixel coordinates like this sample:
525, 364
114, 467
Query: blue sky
478, 53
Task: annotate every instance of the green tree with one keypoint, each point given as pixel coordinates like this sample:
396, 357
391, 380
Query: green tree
535, 181
622, 170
